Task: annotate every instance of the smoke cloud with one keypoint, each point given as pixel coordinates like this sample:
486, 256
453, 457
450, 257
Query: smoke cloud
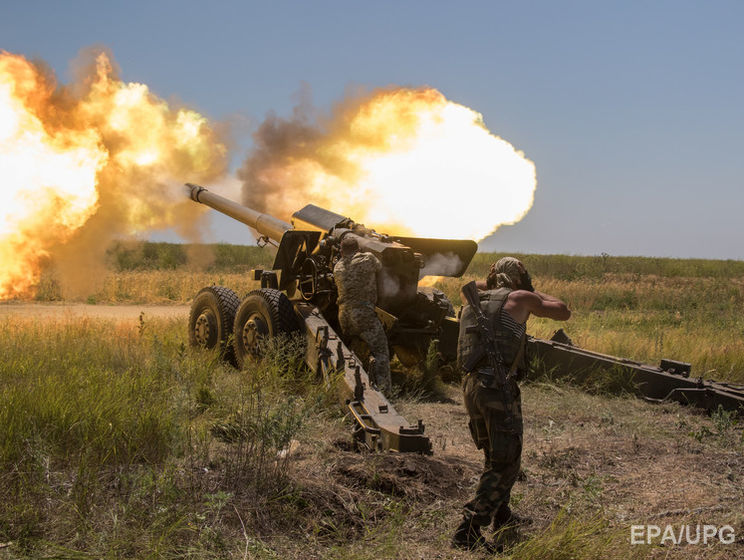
280, 175
439, 264
395, 159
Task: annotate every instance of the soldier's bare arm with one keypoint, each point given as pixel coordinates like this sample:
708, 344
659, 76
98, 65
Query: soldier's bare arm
539, 304
546, 297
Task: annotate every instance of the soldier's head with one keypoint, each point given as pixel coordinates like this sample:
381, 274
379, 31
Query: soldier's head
509, 272
349, 246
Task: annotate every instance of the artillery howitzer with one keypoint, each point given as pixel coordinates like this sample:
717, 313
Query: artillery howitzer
299, 295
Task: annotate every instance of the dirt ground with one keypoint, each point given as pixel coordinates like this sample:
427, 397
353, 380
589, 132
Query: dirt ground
634, 459
621, 460
65, 310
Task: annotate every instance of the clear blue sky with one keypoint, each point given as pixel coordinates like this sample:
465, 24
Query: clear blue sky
633, 112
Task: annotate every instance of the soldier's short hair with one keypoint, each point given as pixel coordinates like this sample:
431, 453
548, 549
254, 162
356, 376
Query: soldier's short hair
349, 244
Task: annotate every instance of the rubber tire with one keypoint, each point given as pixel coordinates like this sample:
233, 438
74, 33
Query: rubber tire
272, 313
221, 304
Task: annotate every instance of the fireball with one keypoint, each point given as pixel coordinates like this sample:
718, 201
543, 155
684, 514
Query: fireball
80, 164
403, 161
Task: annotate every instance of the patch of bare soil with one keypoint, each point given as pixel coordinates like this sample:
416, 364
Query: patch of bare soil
340, 494
75, 310
623, 459
417, 477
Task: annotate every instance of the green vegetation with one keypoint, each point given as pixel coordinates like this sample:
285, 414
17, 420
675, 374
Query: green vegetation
163, 273
569, 267
129, 256
119, 441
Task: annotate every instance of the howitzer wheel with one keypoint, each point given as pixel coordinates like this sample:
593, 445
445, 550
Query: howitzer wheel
211, 320
263, 313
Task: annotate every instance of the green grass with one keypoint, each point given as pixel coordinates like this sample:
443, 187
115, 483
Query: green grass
641, 308
118, 441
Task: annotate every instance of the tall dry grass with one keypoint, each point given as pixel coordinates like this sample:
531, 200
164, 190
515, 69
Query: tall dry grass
161, 273
696, 314
636, 307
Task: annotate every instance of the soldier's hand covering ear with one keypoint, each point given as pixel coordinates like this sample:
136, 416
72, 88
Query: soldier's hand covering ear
526, 281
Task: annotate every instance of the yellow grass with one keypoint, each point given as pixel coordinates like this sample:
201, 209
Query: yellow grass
640, 308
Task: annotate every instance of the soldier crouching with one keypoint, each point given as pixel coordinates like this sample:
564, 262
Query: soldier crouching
356, 280
493, 403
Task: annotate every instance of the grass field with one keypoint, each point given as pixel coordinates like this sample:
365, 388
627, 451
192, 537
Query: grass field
641, 308
120, 441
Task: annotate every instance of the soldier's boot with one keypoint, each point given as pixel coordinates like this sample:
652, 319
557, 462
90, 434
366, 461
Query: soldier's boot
505, 517
468, 536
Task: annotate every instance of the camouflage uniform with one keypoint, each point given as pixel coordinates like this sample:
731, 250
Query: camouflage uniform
490, 406
356, 280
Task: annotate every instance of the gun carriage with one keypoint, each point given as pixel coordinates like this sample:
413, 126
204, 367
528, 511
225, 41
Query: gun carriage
299, 294
671, 380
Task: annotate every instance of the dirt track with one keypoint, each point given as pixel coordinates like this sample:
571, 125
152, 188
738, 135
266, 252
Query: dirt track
123, 312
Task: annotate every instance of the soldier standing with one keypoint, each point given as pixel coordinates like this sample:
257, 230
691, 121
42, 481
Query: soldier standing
356, 280
508, 298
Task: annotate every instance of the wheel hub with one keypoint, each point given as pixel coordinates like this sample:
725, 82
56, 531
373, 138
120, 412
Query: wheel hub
254, 331
205, 329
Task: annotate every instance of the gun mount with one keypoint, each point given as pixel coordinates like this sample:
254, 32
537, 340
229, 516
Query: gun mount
299, 294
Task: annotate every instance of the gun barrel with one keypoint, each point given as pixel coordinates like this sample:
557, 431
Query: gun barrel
264, 224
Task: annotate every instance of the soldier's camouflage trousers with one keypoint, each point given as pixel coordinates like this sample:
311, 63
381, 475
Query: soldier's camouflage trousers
362, 321
500, 440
